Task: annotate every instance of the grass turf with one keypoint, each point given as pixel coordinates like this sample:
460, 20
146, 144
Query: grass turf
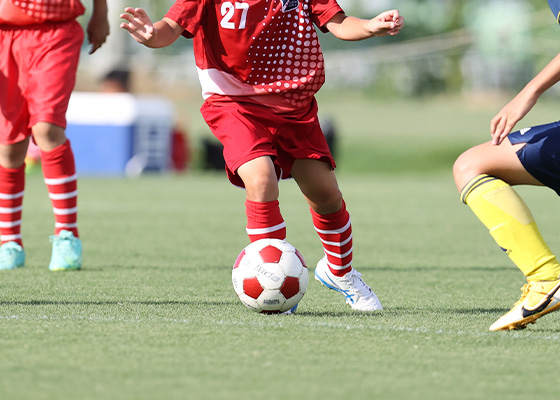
153, 314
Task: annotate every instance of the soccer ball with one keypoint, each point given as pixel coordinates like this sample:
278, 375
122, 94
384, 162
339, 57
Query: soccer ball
270, 276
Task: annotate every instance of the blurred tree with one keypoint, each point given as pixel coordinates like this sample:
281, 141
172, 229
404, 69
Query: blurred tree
445, 46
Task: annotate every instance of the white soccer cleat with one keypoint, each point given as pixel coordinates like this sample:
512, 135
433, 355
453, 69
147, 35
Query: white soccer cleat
358, 294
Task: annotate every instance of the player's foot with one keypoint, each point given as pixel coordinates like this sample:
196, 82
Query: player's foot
538, 299
12, 256
66, 252
358, 294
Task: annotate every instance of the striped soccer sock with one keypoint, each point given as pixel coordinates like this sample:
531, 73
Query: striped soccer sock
12, 185
335, 232
264, 220
59, 172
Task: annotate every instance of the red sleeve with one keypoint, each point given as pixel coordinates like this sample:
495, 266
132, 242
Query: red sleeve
188, 14
322, 12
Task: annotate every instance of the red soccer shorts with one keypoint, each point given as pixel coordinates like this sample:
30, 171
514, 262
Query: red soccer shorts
248, 131
38, 66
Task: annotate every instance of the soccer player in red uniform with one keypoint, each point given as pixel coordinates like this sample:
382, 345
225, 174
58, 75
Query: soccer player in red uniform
40, 44
260, 65
484, 176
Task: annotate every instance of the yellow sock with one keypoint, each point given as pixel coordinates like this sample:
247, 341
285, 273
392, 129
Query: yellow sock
512, 226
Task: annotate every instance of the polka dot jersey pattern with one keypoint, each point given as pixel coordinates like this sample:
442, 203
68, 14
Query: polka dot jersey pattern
50, 10
286, 57
265, 50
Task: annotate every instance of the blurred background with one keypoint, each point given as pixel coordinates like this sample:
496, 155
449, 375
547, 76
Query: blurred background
409, 103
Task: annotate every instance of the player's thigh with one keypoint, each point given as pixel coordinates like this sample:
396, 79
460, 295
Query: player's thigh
500, 161
317, 181
50, 81
14, 115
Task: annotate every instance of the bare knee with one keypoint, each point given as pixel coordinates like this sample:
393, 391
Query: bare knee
325, 202
499, 161
48, 136
259, 178
466, 167
13, 155
261, 187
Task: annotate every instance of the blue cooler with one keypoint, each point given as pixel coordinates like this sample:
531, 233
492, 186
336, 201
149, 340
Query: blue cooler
119, 133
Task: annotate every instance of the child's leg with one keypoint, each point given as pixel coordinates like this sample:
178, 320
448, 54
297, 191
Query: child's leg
335, 231
331, 220
317, 182
12, 185
59, 170
264, 219
501, 210
512, 226
483, 174
60, 177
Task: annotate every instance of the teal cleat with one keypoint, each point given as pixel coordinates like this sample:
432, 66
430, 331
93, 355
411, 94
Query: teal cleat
12, 256
66, 252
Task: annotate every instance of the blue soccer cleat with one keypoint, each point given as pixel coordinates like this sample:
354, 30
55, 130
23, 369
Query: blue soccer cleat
12, 256
66, 252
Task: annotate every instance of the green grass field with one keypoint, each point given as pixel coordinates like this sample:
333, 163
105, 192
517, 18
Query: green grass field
153, 314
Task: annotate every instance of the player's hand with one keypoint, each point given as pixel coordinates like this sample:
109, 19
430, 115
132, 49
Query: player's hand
138, 24
97, 30
503, 123
386, 23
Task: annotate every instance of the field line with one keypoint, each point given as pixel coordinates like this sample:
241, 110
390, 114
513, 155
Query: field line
280, 322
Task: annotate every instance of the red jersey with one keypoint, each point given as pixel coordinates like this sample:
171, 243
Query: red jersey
28, 12
264, 50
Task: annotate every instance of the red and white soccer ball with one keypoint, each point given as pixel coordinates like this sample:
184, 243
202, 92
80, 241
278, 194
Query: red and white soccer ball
270, 276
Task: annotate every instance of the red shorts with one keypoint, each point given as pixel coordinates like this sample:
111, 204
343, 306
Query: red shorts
248, 131
38, 66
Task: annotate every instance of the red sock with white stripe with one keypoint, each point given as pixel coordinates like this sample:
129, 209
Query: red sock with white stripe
59, 171
335, 231
12, 185
264, 220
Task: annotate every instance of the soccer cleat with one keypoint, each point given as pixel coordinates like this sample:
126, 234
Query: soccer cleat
66, 252
538, 299
358, 294
290, 311
12, 256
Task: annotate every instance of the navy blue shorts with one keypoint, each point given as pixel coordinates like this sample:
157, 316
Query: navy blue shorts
541, 154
